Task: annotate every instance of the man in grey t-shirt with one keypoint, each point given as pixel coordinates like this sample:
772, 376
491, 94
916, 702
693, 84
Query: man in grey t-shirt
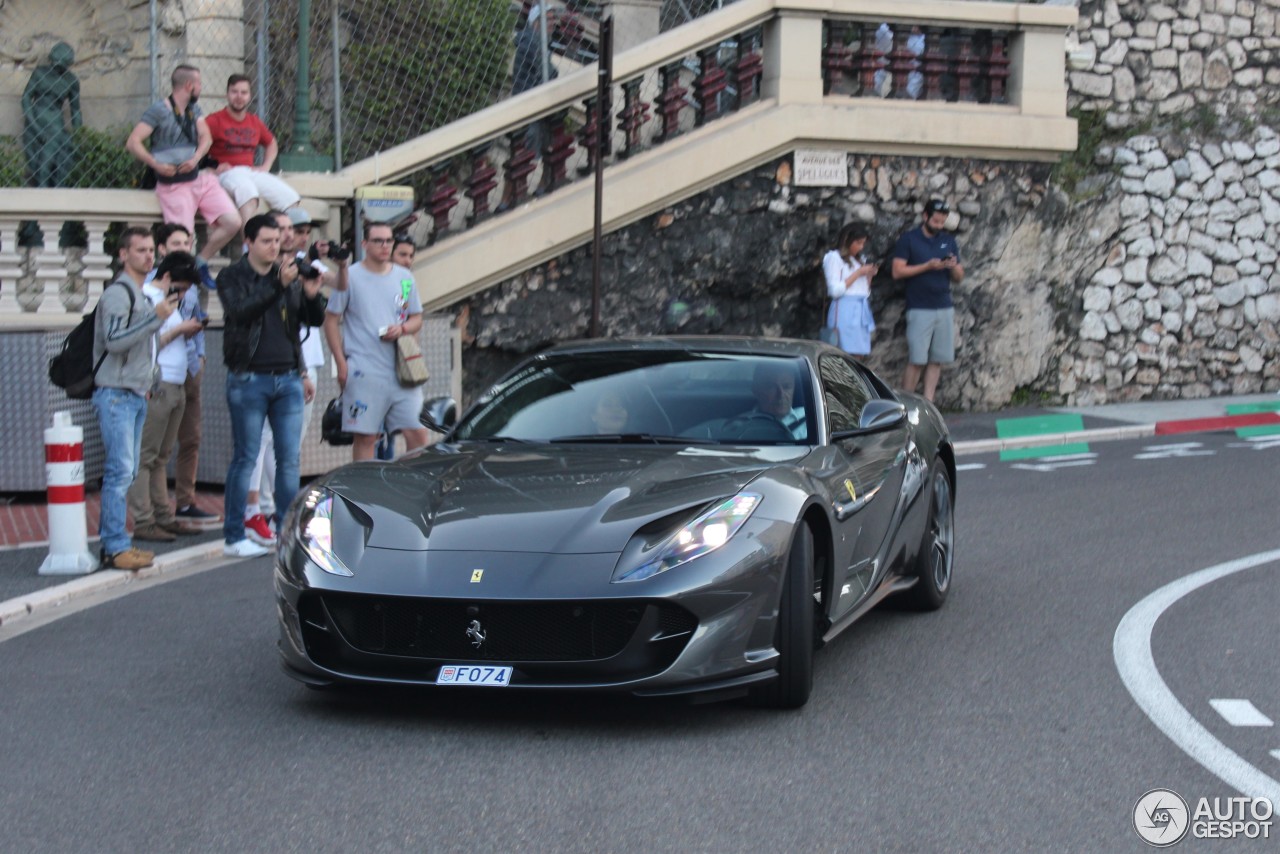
180, 139
379, 304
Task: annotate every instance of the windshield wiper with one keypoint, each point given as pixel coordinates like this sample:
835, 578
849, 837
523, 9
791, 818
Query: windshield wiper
629, 438
511, 439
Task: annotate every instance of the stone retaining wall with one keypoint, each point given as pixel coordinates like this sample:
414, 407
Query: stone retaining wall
1134, 59
1188, 301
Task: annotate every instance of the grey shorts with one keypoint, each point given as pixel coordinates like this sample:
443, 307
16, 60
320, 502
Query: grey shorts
368, 402
931, 336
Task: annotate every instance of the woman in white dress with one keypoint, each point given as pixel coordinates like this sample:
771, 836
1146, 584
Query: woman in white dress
849, 278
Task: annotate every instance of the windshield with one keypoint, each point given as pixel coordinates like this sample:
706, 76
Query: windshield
648, 397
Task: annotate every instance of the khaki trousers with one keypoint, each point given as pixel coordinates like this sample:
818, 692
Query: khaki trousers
149, 494
184, 469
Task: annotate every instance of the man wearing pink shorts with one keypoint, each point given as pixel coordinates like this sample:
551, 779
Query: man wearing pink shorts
180, 139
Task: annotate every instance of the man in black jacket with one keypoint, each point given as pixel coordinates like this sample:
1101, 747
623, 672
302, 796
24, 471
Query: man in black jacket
264, 304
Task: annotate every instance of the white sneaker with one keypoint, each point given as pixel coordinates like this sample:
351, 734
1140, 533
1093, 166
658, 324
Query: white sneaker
245, 548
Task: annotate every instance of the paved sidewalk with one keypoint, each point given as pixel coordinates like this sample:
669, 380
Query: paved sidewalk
1022, 430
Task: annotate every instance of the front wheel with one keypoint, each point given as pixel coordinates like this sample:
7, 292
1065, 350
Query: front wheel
795, 632
936, 555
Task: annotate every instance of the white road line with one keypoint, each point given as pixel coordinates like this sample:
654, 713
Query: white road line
1276, 754
1059, 462
971, 466
1136, 664
1258, 443
1182, 449
1240, 713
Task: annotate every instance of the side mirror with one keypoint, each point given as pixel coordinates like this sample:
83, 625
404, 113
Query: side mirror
879, 414
439, 414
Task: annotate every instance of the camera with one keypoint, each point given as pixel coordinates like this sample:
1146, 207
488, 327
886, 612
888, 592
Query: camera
336, 251
306, 269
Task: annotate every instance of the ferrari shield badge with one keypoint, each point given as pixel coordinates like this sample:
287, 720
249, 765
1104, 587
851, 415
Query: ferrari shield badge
476, 575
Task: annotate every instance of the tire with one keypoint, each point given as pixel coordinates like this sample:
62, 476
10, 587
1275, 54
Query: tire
936, 556
795, 632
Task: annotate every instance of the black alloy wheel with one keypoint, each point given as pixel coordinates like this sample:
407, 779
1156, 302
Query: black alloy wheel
797, 618
936, 556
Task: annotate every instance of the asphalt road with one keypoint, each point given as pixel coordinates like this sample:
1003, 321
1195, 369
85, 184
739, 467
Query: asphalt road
159, 721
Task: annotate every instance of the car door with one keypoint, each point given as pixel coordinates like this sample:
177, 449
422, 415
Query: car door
865, 481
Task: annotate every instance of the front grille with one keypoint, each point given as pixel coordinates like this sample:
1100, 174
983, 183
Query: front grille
555, 631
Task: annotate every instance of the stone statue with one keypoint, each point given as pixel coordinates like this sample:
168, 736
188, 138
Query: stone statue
45, 137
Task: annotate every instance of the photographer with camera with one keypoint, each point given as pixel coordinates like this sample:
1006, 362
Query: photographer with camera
928, 259
153, 519
265, 303
260, 502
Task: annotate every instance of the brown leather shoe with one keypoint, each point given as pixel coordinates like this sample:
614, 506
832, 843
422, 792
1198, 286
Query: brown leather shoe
154, 533
173, 526
128, 559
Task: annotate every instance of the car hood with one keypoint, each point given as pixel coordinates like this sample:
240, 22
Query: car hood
568, 499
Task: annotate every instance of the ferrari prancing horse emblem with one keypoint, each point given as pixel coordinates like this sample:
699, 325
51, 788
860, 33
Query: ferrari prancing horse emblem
475, 634
476, 575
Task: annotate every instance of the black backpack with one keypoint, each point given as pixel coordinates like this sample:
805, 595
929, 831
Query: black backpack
73, 370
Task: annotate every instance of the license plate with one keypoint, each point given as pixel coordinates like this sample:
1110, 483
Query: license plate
467, 674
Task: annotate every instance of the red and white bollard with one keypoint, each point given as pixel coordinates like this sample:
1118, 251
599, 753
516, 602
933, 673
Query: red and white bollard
64, 473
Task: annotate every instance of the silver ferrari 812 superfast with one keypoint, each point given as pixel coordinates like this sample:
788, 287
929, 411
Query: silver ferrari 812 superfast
659, 516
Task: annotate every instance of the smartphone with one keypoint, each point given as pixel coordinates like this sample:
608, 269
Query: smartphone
204, 321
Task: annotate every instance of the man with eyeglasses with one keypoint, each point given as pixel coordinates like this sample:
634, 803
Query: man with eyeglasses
379, 305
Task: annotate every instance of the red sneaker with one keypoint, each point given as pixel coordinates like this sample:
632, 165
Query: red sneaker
258, 529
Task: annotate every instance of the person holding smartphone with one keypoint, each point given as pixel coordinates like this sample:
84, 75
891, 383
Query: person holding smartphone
153, 518
848, 276
927, 260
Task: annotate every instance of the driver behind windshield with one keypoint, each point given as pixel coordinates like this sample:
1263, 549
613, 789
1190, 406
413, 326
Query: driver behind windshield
774, 387
610, 414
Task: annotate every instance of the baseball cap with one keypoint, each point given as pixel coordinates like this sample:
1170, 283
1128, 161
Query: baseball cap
298, 216
936, 206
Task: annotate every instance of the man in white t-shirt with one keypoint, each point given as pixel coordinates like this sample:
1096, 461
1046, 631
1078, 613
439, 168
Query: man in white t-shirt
379, 305
153, 518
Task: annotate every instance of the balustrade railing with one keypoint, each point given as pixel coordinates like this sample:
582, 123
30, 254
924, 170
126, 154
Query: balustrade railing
547, 152
866, 59
54, 267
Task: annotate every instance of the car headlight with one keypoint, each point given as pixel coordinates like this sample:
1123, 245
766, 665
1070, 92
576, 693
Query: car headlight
315, 531
703, 535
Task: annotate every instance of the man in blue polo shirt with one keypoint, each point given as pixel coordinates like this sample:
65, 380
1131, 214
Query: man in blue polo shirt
927, 259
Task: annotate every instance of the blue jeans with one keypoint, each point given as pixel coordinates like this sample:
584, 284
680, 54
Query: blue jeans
254, 398
121, 414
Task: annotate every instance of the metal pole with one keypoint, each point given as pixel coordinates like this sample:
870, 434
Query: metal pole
542, 36
264, 101
302, 156
337, 92
604, 127
151, 49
